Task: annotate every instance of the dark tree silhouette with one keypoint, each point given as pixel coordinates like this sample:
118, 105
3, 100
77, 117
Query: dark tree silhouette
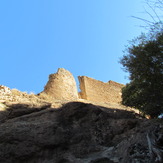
143, 60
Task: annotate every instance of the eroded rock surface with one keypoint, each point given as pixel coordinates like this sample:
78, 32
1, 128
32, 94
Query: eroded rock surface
77, 133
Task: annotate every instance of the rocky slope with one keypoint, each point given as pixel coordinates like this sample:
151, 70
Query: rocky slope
77, 133
37, 131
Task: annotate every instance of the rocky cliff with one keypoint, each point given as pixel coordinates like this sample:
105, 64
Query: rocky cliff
77, 133
45, 129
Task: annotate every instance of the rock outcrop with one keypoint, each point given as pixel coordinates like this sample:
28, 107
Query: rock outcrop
14, 96
4, 92
46, 130
78, 133
61, 86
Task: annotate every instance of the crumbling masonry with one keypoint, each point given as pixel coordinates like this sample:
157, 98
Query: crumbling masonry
98, 91
62, 86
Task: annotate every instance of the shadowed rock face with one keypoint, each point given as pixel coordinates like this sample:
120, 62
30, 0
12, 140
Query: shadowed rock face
61, 86
75, 133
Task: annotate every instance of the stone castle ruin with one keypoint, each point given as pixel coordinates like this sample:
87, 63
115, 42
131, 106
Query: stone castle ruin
62, 86
98, 91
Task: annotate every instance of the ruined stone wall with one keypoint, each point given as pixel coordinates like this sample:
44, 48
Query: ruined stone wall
61, 86
98, 91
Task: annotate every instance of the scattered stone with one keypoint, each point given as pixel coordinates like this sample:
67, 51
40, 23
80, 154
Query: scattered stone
2, 107
4, 90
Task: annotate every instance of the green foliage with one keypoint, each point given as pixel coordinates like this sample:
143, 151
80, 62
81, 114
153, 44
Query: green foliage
144, 62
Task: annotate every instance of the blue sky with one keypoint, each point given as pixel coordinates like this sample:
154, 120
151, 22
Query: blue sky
86, 37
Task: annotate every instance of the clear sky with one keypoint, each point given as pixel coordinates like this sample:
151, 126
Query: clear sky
86, 37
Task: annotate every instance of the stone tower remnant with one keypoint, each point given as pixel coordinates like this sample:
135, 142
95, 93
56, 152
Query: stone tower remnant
61, 86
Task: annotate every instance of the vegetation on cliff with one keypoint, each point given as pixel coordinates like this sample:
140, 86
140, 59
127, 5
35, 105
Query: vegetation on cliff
144, 62
143, 59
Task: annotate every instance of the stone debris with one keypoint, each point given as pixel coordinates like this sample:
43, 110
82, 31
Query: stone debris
13, 96
4, 90
2, 107
5, 93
